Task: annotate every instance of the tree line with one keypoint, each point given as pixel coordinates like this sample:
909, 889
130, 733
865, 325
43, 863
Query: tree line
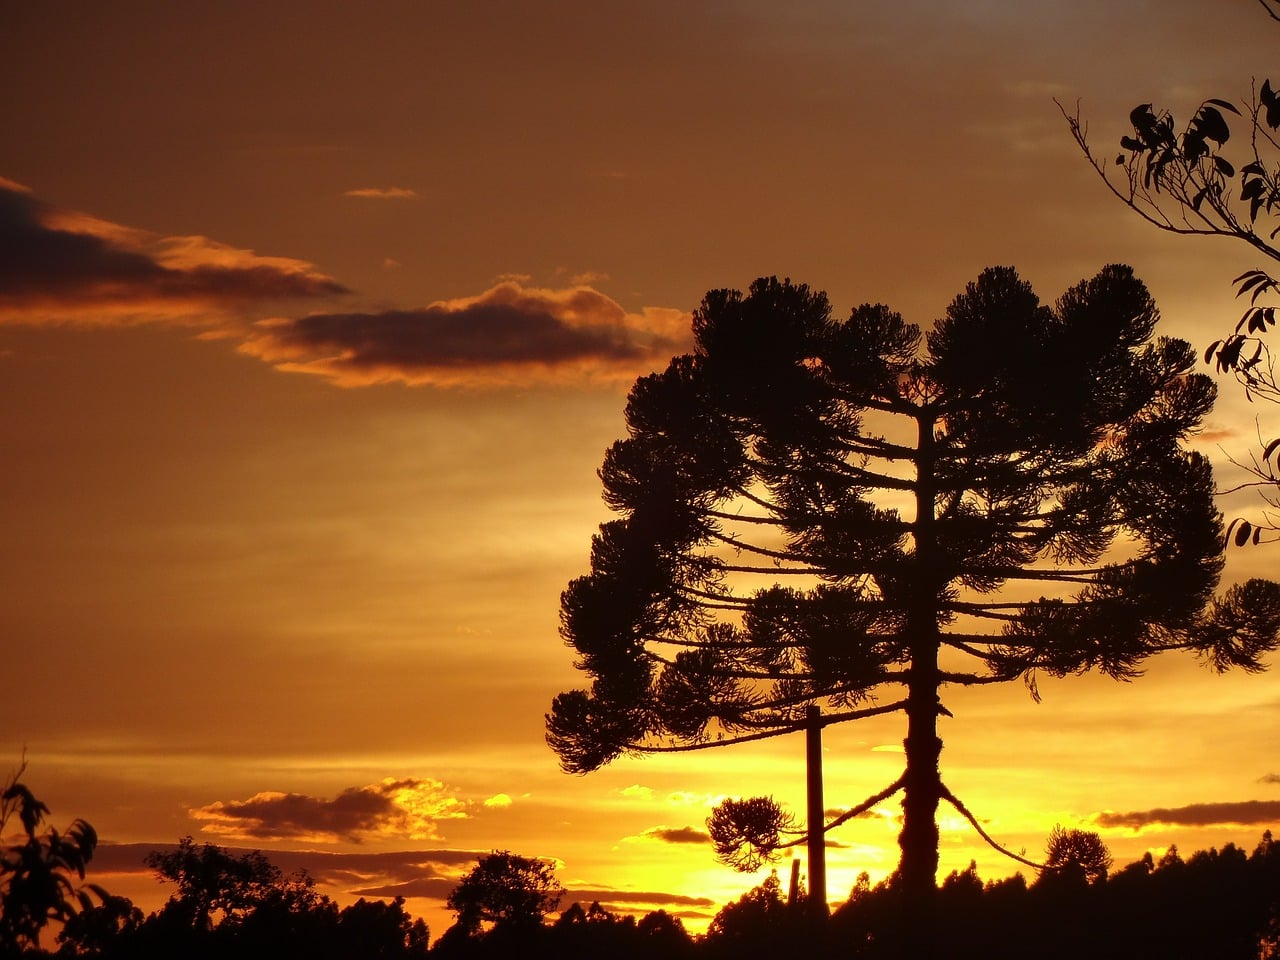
1220, 903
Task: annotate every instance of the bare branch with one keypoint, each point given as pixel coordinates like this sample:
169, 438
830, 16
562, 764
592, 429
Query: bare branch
827, 720
952, 799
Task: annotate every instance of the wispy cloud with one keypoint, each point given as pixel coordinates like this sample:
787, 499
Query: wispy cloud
1244, 812
1270, 778
62, 266
587, 278
411, 808
383, 193
508, 334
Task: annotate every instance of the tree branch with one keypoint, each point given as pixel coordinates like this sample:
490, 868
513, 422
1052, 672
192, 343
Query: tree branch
964, 812
801, 724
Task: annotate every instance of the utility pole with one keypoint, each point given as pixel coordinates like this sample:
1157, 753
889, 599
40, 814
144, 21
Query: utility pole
816, 816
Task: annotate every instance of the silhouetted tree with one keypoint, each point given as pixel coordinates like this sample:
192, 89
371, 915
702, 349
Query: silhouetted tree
1186, 180
41, 878
664, 935
506, 891
760, 923
594, 932
102, 930
376, 929
228, 904
817, 512
216, 887
1077, 854
747, 832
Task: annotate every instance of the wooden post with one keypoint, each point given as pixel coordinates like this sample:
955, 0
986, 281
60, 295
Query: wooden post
816, 816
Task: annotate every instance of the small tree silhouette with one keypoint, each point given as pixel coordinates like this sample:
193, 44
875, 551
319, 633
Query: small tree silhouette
42, 878
1077, 854
217, 888
507, 891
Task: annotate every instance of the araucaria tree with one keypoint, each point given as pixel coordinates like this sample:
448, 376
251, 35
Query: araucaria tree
853, 515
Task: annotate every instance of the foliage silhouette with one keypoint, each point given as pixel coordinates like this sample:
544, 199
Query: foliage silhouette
817, 512
761, 923
41, 878
1186, 180
596, 932
216, 888
1077, 853
505, 891
100, 930
747, 832
1216, 903
1220, 904
379, 930
244, 906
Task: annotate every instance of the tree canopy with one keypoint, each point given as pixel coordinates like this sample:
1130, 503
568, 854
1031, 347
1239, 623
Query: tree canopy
217, 887
856, 514
506, 891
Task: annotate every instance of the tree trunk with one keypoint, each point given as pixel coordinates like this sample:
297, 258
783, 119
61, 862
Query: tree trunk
923, 779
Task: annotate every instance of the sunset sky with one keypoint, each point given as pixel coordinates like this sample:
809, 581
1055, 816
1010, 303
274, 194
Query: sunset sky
317, 318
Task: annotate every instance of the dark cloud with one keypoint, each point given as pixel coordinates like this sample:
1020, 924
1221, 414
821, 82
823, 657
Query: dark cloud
832, 812
508, 333
430, 888
57, 265
60, 266
128, 858
678, 835
631, 896
1245, 812
439, 888
408, 807
400, 867
1270, 778
430, 874
125, 857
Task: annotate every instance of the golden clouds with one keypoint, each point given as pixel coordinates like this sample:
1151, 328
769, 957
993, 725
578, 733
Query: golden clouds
408, 808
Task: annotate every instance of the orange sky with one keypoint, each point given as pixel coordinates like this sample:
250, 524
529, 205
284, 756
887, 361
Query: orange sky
285, 535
